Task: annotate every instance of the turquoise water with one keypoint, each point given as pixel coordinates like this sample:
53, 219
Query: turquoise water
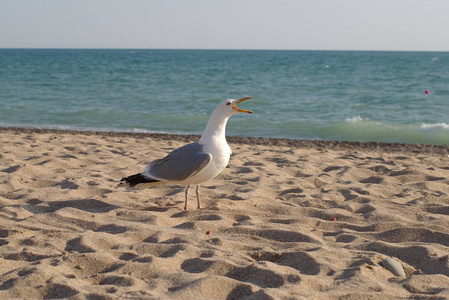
332, 95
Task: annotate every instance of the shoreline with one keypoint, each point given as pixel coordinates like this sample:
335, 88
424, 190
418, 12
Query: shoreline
328, 144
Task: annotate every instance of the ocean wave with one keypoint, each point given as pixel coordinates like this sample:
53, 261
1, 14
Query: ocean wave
363, 129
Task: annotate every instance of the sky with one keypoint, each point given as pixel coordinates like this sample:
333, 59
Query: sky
396, 25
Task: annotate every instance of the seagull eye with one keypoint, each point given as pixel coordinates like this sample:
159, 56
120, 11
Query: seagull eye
229, 103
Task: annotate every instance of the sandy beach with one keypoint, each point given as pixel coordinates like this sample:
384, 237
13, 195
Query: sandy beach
286, 220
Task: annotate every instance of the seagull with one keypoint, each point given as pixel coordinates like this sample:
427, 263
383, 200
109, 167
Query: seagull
193, 163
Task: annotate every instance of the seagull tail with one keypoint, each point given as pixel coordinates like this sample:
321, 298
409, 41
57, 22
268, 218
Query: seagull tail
138, 180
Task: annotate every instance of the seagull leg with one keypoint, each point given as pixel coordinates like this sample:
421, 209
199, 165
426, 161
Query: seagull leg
198, 196
187, 193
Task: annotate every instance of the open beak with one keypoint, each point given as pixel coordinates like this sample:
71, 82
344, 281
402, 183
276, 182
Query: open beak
242, 110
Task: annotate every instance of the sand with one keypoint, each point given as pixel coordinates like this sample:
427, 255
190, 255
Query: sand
285, 220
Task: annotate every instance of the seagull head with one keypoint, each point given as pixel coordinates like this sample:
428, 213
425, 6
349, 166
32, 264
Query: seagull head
216, 126
229, 106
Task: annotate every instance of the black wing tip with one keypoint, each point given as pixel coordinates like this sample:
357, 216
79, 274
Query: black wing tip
135, 179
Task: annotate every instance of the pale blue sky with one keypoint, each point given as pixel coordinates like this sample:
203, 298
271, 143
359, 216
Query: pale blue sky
226, 24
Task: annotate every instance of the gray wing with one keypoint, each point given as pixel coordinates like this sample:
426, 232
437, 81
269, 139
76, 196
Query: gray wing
179, 164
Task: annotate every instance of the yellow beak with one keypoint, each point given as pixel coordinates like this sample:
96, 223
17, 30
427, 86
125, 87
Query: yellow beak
242, 110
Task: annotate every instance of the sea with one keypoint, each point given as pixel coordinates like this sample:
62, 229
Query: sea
392, 97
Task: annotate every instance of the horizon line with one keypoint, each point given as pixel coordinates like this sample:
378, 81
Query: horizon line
214, 49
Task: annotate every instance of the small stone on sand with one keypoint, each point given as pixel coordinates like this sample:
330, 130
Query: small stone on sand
393, 266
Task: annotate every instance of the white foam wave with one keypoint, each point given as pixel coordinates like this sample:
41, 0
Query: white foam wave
354, 119
435, 126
